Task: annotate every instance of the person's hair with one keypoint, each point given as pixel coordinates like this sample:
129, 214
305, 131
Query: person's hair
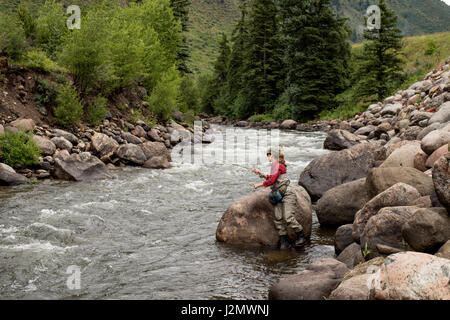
281, 159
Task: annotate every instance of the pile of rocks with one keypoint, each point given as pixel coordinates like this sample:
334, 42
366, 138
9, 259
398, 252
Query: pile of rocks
386, 186
88, 153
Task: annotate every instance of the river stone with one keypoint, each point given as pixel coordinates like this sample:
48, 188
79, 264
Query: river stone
399, 194
420, 161
288, 124
442, 115
315, 283
249, 220
444, 251
441, 178
391, 109
130, 138
338, 139
23, 124
383, 232
403, 156
66, 135
343, 238
434, 140
153, 135
8, 177
140, 132
46, 146
156, 162
436, 155
338, 167
62, 143
351, 255
427, 130
79, 167
131, 153
153, 149
103, 145
354, 288
427, 229
412, 276
339, 205
380, 179
365, 131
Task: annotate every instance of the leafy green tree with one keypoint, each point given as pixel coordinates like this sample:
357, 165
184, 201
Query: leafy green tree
180, 10
380, 65
69, 110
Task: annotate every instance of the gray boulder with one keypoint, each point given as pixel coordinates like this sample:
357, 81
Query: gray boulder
442, 115
343, 238
103, 145
381, 179
338, 167
338, 139
66, 135
62, 143
403, 156
427, 230
79, 167
441, 179
339, 205
130, 138
249, 220
288, 124
399, 194
8, 177
351, 255
46, 146
131, 154
315, 283
434, 140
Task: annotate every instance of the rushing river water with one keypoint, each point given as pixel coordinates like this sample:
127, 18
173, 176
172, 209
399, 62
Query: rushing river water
146, 234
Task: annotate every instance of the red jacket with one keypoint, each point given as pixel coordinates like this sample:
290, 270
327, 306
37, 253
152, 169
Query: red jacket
271, 179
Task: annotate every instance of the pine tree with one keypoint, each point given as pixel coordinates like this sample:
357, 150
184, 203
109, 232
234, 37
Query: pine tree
381, 64
316, 56
261, 63
180, 10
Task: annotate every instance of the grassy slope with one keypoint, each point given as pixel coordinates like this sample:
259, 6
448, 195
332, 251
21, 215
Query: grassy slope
417, 65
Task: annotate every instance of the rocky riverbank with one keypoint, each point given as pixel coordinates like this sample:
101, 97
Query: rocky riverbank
86, 153
386, 187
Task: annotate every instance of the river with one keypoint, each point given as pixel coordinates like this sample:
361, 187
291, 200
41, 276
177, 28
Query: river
146, 234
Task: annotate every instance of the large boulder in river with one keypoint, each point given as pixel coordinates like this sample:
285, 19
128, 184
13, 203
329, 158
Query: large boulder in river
47, 147
157, 162
155, 149
338, 167
315, 283
427, 230
399, 194
103, 145
435, 139
380, 179
403, 156
339, 205
412, 276
288, 124
9, 177
249, 220
441, 180
382, 234
338, 139
131, 154
79, 167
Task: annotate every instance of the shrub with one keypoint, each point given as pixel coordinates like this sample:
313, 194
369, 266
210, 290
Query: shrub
68, 109
96, 112
163, 99
46, 93
18, 148
262, 118
38, 60
12, 36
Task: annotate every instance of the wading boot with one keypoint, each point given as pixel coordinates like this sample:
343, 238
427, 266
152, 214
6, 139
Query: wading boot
300, 239
284, 242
